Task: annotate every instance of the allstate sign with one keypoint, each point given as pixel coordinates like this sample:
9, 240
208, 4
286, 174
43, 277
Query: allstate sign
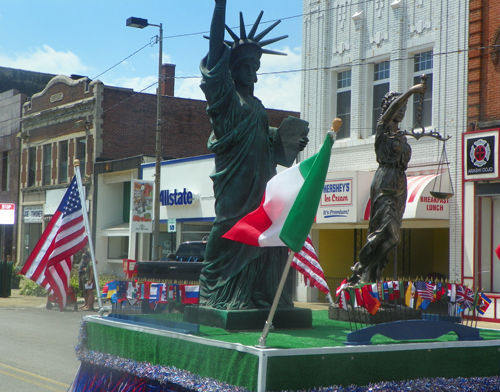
176, 197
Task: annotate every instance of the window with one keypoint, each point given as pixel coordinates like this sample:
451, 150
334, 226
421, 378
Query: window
81, 151
47, 164
196, 231
344, 103
63, 162
31, 166
423, 65
381, 74
117, 247
5, 171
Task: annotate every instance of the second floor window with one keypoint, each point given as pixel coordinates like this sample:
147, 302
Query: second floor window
423, 64
31, 166
381, 74
5, 171
47, 164
81, 152
343, 110
63, 162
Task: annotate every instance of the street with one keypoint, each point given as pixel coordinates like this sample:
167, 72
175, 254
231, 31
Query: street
37, 349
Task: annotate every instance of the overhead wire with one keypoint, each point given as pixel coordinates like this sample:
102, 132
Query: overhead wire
301, 70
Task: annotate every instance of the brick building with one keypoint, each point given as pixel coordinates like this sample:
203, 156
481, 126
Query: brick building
15, 87
353, 53
74, 117
480, 146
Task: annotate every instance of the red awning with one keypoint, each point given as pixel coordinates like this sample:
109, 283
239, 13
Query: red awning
420, 204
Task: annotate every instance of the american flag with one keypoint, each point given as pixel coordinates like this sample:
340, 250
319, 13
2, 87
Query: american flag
49, 265
306, 262
425, 290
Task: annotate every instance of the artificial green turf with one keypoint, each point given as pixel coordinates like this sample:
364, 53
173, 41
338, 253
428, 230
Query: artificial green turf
325, 333
241, 369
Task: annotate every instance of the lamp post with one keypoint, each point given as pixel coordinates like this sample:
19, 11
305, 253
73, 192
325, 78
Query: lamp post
141, 23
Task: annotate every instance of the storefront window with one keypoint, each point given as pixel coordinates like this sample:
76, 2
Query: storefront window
117, 247
488, 236
195, 231
167, 243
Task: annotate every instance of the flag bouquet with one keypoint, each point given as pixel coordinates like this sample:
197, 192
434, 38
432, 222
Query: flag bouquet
417, 294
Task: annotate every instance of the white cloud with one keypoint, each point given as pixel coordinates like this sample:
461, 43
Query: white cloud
280, 89
46, 59
276, 88
137, 83
189, 88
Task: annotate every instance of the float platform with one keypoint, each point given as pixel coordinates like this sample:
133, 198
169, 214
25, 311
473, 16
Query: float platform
296, 360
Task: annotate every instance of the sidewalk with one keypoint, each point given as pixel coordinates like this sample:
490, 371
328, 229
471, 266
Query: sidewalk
17, 300
22, 301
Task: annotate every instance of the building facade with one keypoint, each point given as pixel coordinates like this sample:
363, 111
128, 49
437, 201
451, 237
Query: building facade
16, 86
480, 149
111, 131
353, 53
76, 118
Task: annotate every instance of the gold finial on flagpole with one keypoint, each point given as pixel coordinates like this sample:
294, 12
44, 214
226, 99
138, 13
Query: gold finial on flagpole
336, 124
76, 162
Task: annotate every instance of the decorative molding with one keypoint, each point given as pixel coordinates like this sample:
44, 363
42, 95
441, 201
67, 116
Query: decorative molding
342, 16
396, 4
60, 79
378, 37
56, 97
379, 6
70, 112
495, 46
357, 16
420, 26
342, 47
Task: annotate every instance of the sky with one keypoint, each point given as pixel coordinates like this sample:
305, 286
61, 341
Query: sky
90, 38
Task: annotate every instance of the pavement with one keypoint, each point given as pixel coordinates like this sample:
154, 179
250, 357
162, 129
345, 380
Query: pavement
17, 300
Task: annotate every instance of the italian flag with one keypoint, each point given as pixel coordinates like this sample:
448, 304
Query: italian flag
289, 205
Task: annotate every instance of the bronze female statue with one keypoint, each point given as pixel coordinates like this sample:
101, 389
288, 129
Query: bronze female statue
388, 188
235, 275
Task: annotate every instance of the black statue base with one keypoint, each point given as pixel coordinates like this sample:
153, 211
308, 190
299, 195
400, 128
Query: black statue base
245, 320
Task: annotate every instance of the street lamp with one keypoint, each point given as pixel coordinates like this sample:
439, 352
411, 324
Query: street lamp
141, 23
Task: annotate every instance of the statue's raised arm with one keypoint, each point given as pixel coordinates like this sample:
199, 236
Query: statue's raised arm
400, 103
216, 46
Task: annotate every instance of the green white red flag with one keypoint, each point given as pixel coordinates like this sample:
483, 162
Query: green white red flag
289, 205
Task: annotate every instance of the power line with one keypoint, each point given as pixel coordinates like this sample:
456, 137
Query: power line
363, 63
330, 68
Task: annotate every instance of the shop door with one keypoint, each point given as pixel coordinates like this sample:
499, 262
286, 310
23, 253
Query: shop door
32, 233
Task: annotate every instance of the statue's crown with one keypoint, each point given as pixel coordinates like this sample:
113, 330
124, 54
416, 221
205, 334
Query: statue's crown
250, 45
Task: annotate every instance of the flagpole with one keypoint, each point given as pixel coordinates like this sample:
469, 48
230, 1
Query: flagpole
269, 322
76, 164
